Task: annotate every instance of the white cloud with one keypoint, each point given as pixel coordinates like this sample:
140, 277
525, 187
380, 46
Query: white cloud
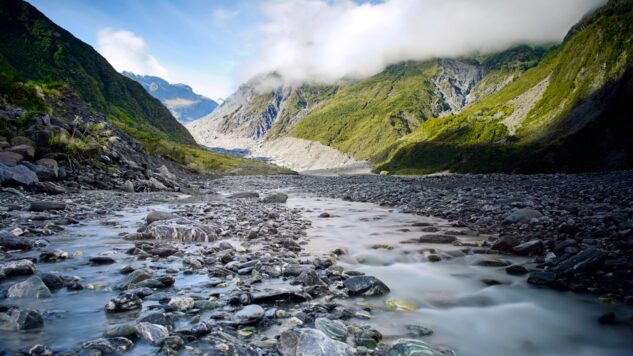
222, 15
325, 40
128, 52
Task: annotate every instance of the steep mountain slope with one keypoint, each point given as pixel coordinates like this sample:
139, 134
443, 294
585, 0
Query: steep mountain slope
571, 112
180, 99
61, 101
358, 118
34, 47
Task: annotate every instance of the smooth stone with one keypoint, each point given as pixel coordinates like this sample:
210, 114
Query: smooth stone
523, 216
334, 329
114, 345
516, 270
278, 198
313, 342
159, 216
529, 248
33, 287
10, 158
53, 281
437, 239
123, 330
101, 260
541, 278
366, 286
24, 150
11, 242
20, 319
491, 262
419, 330
47, 205
250, 314
412, 347
17, 176
18, 268
152, 333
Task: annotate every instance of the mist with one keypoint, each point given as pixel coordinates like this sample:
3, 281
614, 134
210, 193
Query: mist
324, 41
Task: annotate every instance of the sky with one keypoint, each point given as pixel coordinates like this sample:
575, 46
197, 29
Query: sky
215, 45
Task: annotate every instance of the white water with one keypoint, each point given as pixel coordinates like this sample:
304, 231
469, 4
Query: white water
473, 319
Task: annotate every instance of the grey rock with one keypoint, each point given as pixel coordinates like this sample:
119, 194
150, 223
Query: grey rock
33, 287
134, 277
334, 329
47, 205
278, 198
309, 277
53, 256
49, 188
24, 150
159, 216
18, 268
412, 347
437, 239
114, 345
101, 260
366, 286
11, 242
523, 216
152, 333
532, 247
250, 314
53, 281
20, 319
303, 342
124, 302
516, 270
244, 195
542, 278
10, 158
17, 176
588, 259
505, 243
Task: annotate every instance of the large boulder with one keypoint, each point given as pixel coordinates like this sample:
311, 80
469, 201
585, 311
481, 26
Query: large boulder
17, 176
313, 342
52, 168
17, 268
24, 150
10, 158
11, 242
20, 319
33, 287
365, 286
412, 347
182, 230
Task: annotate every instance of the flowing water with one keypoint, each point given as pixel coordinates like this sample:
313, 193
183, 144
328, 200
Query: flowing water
512, 318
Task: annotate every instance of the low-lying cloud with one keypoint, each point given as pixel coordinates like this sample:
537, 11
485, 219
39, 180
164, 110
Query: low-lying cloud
325, 40
128, 52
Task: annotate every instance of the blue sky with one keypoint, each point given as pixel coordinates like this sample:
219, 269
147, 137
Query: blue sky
201, 43
215, 45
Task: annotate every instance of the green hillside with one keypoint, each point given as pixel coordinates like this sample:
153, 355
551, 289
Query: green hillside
34, 48
580, 120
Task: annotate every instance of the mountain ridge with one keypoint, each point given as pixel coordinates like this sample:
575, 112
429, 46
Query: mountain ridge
180, 99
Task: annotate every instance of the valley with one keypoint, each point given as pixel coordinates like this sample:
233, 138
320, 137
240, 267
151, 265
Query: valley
446, 202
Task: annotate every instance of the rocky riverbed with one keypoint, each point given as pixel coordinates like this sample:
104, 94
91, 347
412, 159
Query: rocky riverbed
230, 266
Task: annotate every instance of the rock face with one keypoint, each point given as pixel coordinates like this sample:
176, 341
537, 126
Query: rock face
455, 83
33, 287
182, 230
303, 342
365, 286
